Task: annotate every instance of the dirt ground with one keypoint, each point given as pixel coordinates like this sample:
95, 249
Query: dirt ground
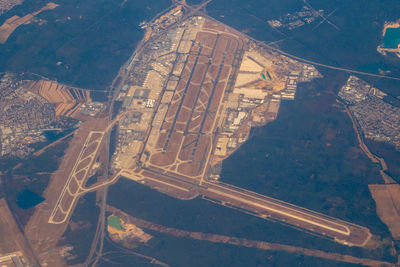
42, 235
11, 238
68, 100
387, 198
11, 24
214, 238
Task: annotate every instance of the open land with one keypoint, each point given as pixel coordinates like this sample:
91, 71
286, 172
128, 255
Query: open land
242, 242
68, 100
205, 100
11, 24
29, 108
372, 118
14, 248
189, 100
387, 198
43, 235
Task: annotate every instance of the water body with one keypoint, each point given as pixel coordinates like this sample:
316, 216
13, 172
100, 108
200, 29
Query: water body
306, 156
24, 185
202, 216
52, 136
28, 199
352, 44
391, 38
309, 155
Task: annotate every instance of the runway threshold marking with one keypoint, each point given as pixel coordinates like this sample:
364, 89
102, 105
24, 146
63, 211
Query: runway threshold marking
72, 174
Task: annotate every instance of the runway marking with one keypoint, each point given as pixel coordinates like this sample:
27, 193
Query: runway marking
72, 175
157, 181
280, 203
347, 232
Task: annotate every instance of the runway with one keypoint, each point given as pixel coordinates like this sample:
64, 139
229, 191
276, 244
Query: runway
258, 205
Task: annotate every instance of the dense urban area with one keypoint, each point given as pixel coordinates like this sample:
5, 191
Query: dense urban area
6, 5
377, 119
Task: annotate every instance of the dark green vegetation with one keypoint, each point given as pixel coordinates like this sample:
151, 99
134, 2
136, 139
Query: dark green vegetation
52, 136
194, 2
203, 216
309, 156
374, 68
24, 181
391, 38
82, 228
92, 39
390, 154
186, 252
352, 45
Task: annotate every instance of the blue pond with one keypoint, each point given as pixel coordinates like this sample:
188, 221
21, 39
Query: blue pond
28, 199
392, 38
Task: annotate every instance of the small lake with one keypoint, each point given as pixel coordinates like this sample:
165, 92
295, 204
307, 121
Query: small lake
391, 38
28, 199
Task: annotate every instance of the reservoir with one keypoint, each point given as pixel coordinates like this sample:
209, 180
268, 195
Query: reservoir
391, 38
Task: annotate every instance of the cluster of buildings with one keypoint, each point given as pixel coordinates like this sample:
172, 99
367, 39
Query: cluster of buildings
253, 94
6, 5
15, 259
377, 119
92, 108
148, 73
263, 81
162, 22
23, 117
291, 21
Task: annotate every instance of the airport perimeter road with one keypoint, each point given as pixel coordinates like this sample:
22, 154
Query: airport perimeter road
266, 207
258, 205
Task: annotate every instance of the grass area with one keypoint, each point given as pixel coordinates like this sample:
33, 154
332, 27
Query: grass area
115, 222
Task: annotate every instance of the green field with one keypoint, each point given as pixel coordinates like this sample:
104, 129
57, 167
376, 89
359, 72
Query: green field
115, 222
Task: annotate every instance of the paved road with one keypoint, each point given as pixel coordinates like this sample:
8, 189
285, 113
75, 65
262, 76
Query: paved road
255, 204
